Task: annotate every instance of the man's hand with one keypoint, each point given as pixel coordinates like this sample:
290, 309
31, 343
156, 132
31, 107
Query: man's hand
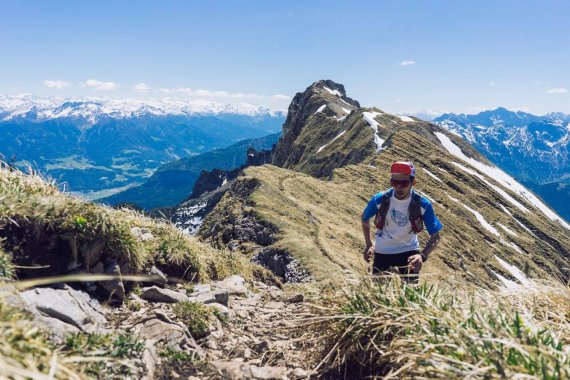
367, 253
415, 263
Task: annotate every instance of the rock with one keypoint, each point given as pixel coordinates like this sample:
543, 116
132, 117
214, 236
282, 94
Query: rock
281, 263
220, 296
268, 373
60, 307
296, 298
156, 294
114, 287
201, 288
234, 369
299, 373
211, 344
234, 284
150, 360
237, 369
156, 327
223, 310
142, 234
161, 277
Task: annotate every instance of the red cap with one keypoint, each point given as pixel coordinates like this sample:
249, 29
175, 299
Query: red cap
402, 167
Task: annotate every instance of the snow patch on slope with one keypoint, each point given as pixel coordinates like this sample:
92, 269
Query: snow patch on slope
508, 230
488, 226
321, 108
369, 117
432, 175
323, 147
407, 119
516, 273
333, 92
502, 178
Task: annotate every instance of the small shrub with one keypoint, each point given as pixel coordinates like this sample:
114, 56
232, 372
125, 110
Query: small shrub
175, 356
121, 346
195, 316
134, 305
223, 318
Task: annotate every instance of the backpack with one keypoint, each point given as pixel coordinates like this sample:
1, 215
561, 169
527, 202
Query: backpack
414, 210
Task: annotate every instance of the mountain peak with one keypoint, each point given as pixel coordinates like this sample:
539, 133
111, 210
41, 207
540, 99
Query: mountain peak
329, 88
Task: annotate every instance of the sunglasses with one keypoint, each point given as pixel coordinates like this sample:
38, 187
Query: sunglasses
402, 183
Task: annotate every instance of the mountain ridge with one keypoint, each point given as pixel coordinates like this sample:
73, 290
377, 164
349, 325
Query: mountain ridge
309, 205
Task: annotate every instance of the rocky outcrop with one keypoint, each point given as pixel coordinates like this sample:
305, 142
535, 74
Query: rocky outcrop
282, 263
233, 224
208, 190
304, 105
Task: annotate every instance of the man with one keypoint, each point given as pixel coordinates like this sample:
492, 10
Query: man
400, 214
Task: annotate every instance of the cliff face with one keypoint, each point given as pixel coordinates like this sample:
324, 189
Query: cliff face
323, 97
209, 189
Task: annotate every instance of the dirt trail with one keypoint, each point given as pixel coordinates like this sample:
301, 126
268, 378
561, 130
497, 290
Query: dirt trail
260, 340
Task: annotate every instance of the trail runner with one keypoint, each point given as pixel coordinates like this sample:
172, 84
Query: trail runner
400, 214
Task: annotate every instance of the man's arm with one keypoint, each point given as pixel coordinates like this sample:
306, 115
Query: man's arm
367, 214
368, 242
430, 246
416, 261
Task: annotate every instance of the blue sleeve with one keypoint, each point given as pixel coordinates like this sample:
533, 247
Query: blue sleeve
431, 222
371, 208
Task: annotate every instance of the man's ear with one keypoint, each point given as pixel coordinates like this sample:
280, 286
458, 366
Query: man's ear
414, 182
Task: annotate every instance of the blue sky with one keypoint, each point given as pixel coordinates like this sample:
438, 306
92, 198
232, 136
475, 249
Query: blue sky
462, 56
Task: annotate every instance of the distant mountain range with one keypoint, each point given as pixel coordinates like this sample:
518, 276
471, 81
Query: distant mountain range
173, 182
98, 145
534, 149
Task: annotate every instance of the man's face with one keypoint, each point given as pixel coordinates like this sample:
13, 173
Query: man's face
402, 185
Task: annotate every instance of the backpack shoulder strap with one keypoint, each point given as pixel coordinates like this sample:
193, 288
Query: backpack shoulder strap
383, 209
415, 210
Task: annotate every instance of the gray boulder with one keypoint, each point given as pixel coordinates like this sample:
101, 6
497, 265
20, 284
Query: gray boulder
234, 284
156, 294
65, 310
115, 288
220, 296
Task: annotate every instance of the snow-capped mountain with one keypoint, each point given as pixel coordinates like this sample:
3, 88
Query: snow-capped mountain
91, 109
102, 144
534, 149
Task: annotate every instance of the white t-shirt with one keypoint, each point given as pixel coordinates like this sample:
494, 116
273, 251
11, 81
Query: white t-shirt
397, 235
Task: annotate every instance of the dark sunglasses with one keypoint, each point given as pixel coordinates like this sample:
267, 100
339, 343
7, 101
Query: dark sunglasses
402, 183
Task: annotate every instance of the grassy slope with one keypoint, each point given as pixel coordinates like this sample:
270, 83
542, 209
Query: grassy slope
41, 226
332, 240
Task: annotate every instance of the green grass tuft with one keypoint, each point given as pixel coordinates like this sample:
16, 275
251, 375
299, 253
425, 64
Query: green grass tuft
383, 329
195, 316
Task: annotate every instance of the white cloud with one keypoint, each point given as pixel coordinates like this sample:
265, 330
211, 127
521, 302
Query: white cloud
141, 87
209, 93
281, 97
558, 90
408, 62
98, 85
59, 84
